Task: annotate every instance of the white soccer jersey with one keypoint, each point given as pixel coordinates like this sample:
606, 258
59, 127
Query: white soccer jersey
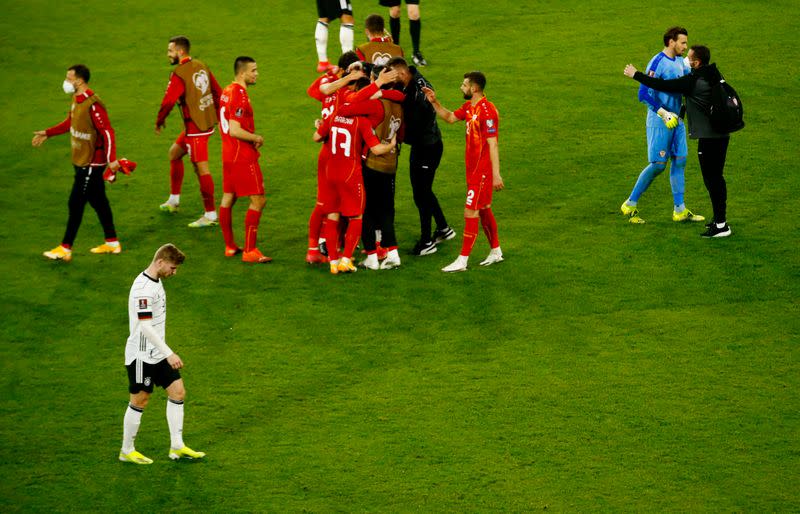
147, 301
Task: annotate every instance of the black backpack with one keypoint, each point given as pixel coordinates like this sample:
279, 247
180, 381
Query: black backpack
726, 113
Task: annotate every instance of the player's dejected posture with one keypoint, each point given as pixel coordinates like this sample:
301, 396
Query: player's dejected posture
344, 185
149, 361
423, 135
193, 86
328, 10
241, 174
666, 134
93, 148
414, 25
379, 48
483, 166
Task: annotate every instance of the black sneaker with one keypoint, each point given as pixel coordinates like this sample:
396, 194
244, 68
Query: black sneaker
419, 60
424, 248
323, 248
444, 234
714, 231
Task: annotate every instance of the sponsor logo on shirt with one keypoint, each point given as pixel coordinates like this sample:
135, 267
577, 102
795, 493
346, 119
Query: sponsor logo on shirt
380, 58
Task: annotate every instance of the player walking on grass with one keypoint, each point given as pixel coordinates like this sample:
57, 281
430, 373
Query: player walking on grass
343, 192
666, 134
93, 148
328, 10
483, 166
414, 25
194, 87
150, 361
241, 174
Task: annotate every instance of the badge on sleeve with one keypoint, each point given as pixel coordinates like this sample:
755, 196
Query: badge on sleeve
142, 304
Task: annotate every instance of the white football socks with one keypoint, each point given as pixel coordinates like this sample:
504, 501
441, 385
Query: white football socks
175, 422
346, 37
321, 36
131, 422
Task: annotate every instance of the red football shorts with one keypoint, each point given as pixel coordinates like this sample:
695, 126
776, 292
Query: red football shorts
345, 196
479, 191
242, 178
195, 146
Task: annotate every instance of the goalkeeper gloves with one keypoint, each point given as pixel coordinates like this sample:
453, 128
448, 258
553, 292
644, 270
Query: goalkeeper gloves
670, 118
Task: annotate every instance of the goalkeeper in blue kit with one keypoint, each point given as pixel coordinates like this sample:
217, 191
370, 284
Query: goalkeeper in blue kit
666, 134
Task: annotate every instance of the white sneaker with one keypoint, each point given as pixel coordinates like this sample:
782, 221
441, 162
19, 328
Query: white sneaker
495, 256
460, 264
371, 262
391, 261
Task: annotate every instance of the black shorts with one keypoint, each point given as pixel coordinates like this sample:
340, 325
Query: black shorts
395, 3
160, 374
333, 9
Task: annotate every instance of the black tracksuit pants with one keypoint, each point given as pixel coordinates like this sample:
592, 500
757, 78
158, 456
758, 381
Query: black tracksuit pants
711, 153
423, 161
379, 209
88, 187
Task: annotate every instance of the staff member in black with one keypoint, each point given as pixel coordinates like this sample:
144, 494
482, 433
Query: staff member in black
712, 146
423, 135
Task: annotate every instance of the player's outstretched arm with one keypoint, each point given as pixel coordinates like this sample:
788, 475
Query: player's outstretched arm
443, 113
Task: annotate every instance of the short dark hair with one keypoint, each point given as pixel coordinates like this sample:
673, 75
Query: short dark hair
672, 34
81, 71
701, 53
347, 59
477, 78
396, 62
241, 62
181, 42
375, 24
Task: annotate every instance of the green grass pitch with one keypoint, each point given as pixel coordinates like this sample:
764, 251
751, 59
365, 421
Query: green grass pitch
602, 366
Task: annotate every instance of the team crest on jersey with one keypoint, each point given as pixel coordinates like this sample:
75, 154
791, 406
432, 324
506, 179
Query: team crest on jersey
201, 81
142, 303
662, 153
380, 58
147, 381
490, 123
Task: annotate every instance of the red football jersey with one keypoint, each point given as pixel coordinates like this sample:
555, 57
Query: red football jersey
329, 101
345, 138
482, 123
235, 105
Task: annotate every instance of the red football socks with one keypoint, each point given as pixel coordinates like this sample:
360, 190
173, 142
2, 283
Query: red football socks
251, 220
226, 224
490, 227
175, 176
352, 236
470, 234
207, 190
315, 226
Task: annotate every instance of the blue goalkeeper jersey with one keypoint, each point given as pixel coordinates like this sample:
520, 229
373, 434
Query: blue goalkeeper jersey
667, 68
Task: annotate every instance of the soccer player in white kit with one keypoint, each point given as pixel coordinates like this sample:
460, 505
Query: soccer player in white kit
150, 361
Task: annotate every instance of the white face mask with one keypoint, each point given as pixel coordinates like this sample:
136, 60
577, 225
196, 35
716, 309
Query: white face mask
69, 87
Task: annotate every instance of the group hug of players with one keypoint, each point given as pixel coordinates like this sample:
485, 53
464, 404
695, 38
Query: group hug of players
364, 102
